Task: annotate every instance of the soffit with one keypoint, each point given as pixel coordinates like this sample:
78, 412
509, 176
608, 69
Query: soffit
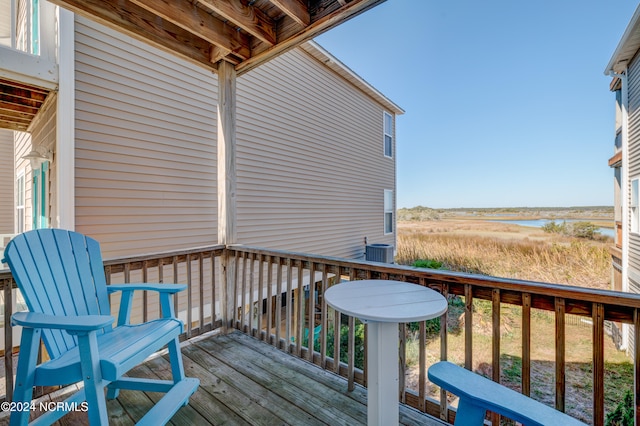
19, 104
245, 33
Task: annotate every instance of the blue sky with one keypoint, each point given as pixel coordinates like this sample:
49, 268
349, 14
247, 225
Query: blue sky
506, 101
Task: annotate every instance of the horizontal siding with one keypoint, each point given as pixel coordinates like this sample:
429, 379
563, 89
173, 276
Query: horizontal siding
7, 183
311, 170
634, 118
145, 146
634, 157
43, 137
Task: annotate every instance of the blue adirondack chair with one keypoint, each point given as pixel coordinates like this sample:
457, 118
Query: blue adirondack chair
61, 276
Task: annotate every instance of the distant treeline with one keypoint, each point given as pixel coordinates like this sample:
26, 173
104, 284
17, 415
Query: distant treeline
421, 213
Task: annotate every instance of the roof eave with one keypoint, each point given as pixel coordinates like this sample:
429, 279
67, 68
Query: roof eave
321, 54
627, 47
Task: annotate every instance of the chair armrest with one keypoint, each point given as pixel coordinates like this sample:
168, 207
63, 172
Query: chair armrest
160, 288
78, 323
166, 292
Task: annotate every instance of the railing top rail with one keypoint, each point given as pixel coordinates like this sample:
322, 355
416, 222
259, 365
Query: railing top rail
217, 249
609, 297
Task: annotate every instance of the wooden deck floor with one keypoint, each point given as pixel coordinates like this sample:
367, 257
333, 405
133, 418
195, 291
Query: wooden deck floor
246, 382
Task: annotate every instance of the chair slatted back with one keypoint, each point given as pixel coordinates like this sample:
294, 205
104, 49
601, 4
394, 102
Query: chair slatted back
59, 272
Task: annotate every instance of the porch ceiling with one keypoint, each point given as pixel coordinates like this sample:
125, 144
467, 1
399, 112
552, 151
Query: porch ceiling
19, 104
242, 32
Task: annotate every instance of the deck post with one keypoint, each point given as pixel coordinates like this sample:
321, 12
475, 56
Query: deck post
227, 185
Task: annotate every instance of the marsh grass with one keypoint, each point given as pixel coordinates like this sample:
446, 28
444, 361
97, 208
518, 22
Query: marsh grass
559, 260
503, 252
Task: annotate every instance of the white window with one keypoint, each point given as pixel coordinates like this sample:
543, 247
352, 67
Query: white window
388, 134
20, 196
388, 211
635, 211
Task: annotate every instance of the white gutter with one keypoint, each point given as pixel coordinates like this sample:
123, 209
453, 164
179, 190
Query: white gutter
624, 190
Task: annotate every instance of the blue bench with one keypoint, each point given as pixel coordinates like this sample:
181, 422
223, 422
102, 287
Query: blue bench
478, 394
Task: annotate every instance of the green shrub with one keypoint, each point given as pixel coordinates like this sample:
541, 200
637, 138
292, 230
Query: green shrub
623, 414
577, 229
584, 230
555, 228
344, 344
427, 263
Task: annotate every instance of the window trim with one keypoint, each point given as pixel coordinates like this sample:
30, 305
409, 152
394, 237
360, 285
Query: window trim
387, 132
20, 207
634, 207
388, 210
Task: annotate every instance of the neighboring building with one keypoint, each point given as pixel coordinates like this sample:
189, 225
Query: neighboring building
624, 68
127, 136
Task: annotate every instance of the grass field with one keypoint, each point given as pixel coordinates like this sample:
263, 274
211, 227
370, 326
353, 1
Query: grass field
511, 251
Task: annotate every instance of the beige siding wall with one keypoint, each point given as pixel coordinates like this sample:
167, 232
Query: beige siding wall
7, 183
145, 146
311, 169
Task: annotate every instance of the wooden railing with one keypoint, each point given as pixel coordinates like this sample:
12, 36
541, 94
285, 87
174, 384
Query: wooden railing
276, 295
198, 306
281, 320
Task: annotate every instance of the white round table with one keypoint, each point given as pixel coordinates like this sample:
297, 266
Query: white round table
382, 304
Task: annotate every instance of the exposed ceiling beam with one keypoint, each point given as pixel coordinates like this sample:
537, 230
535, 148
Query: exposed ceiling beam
249, 18
295, 9
243, 33
319, 26
144, 25
197, 21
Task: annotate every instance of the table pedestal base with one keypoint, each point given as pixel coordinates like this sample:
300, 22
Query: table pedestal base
382, 375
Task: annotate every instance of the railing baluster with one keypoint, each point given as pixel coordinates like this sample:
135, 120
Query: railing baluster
189, 297
444, 350
7, 285
261, 267
526, 344
402, 365
201, 292
251, 291
598, 364
336, 341
269, 298
560, 354
495, 345
243, 294
636, 364
468, 327
300, 311
422, 373
351, 354
278, 300
145, 296
311, 340
324, 319
236, 313
174, 267
289, 305
213, 291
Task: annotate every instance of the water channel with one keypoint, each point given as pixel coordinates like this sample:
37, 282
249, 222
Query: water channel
539, 223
